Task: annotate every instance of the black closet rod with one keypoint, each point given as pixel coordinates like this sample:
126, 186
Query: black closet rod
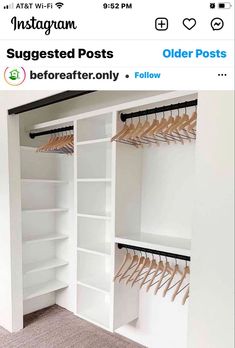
156, 252
51, 131
156, 110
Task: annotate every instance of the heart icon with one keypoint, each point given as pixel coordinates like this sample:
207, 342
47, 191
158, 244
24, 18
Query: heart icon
189, 23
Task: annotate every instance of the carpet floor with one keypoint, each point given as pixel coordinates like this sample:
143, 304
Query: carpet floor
55, 327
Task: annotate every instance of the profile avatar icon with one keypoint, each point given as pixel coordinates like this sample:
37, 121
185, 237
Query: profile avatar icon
14, 75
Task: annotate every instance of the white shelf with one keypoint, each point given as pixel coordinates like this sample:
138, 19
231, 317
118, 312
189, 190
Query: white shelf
102, 249
66, 121
100, 283
43, 181
48, 237
43, 265
42, 289
157, 242
94, 141
49, 210
89, 216
94, 180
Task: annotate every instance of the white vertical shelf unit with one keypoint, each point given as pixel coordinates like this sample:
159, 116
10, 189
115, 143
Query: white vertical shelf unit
46, 191
93, 182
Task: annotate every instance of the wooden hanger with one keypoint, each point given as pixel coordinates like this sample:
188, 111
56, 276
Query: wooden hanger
123, 130
132, 264
192, 126
189, 121
141, 131
154, 124
149, 135
127, 258
177, 290
173, 128
157, 272
136, 129
163, 275
159, 128
186, 296
130, 136
153, 265
126, 136
145, 264
173, 274
181, 120
44, 147
59, 145
140, 262
64, 144
162, 129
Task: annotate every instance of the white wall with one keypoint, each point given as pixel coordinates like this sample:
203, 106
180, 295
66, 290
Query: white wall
212, 272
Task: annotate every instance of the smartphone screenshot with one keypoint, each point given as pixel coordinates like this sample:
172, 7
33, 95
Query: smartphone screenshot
116, 174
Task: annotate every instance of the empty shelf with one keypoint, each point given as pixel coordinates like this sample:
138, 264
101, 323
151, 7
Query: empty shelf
43, 265
42, 289
45, 238
90, 216
99, 249
43, 181
157, 242
49, 210
99, 283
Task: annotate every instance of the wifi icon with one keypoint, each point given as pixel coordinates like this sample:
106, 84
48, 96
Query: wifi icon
59, 4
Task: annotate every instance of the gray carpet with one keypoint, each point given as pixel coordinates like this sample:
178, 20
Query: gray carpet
55, 327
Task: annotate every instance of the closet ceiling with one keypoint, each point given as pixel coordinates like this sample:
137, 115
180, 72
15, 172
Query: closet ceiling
56, 98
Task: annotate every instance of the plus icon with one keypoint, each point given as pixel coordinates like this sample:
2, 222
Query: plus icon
161, 23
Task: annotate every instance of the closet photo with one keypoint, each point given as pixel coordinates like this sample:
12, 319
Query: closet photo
107, 201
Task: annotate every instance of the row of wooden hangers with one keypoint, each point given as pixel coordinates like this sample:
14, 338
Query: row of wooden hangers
59, 143
151, 273
170, 129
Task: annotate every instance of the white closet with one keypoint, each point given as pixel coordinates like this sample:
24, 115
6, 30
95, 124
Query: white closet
75, 209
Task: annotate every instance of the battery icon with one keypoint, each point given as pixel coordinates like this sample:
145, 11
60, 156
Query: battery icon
225, 5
